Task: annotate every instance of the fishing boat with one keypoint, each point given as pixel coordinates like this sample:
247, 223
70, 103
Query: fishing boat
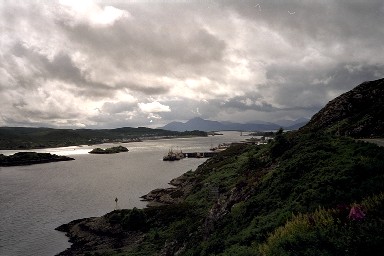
173, 156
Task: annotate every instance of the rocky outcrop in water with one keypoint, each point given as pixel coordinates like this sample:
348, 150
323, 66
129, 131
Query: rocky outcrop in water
28, 158
112, 150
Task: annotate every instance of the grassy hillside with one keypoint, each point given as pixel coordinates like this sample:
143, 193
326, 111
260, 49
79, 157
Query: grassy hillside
299, 195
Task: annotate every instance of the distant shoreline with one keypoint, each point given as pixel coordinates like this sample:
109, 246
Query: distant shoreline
26, 138
139, 139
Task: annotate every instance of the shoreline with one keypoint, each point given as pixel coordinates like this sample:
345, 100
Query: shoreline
98, 232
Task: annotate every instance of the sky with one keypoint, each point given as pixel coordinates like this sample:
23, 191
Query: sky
107, 64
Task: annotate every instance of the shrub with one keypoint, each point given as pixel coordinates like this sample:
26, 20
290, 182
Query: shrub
134, 220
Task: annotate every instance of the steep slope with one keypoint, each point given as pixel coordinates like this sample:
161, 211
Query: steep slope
357, 113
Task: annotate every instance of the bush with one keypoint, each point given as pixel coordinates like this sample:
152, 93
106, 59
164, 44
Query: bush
327, 232
134, 220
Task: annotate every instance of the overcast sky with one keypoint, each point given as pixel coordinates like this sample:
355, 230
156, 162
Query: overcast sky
105, 64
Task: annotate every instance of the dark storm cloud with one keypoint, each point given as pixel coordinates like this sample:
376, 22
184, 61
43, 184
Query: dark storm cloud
61, 67
314, 90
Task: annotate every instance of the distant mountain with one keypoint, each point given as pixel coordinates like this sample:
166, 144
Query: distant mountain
198, 123
204, 125
295, 126
292, 123
356, 113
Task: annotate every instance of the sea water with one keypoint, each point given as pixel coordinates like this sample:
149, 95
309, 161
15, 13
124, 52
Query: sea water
36, 199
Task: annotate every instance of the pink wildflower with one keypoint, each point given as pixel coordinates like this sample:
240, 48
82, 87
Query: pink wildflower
356, 213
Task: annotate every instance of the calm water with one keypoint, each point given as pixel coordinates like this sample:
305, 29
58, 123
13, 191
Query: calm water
36, 199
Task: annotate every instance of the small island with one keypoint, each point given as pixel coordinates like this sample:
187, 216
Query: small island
112, 150
28, 158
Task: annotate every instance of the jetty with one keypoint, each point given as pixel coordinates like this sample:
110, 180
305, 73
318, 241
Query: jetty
200, 154
172, 156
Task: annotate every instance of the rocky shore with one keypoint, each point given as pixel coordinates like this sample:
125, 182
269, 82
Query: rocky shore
97, 234
105, 235
181, 186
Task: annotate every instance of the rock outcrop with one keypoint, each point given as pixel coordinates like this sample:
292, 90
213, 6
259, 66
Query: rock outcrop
28, 158
97, 234
358, 113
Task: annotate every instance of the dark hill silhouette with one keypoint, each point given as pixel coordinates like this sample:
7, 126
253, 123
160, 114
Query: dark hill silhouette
198, 123
357, 113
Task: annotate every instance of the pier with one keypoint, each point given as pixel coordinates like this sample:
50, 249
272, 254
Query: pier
200, 154
172, 156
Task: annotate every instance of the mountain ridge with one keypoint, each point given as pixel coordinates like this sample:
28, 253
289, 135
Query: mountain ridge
201, 124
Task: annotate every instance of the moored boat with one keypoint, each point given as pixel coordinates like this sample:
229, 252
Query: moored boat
172, 156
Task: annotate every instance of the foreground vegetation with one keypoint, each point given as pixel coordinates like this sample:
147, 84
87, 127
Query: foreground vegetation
302, 194
28, 138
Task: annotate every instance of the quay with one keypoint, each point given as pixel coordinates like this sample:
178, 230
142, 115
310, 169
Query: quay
200, 154
172, 156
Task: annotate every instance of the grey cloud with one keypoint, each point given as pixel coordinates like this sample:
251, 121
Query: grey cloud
61, 68
309, 52
248, 103
315, 18
187, 109
309, 92
349, 26
145, 89
118, 107
152, 44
